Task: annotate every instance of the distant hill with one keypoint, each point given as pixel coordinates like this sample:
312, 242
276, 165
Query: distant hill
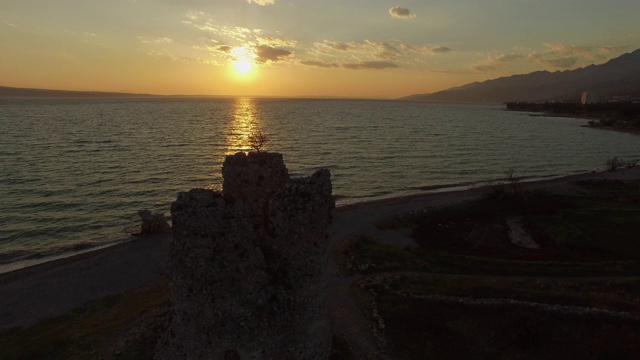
24, 92
619, 77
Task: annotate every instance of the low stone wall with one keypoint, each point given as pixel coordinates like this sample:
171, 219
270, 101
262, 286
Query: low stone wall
247, 265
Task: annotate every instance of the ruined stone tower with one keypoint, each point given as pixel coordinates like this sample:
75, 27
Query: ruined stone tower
247, 265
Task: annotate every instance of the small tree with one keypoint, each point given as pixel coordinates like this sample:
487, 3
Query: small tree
257, 140
614, 163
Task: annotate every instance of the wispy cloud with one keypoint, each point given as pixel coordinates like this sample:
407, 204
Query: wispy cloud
319, 64
360, 65
369, 54
383, 50
157, 40
401, 13
7, 23
164, 55
338, 45
559, 63
564, 56
425, 49
376, 65
229, 43
493, 62
261, 2
377, 49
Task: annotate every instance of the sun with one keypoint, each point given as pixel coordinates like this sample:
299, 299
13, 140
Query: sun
243, 66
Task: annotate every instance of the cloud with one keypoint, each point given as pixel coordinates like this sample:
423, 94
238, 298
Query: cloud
164, 55
559, 63
233, 42
492, 63
361, 65
384, 50
10, 24
587, 52
265, 53
483, 67
377, 65
425, 49
337, 45
158, 40
401, 13
276, 42
319, 64
508, 57
262, 2
438, 49
565, 56
609, 49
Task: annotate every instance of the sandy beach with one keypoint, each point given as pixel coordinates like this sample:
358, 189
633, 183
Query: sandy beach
55, 288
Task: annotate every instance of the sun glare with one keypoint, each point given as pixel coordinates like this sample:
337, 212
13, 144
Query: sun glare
242, 60
243, 67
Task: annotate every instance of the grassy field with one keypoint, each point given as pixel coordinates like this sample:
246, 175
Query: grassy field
468, 292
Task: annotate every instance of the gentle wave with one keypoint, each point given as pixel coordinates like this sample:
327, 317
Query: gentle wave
76, 171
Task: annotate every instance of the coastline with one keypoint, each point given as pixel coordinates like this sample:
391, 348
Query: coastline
552, 182
57, 287
613, 128
594, 119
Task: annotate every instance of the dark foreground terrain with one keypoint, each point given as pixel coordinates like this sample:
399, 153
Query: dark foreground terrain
514, 275
467, 291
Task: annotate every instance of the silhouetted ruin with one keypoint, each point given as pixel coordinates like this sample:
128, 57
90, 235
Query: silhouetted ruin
247, 265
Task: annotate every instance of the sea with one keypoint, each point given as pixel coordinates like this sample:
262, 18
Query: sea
75, 171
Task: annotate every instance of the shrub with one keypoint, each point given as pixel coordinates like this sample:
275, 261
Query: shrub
614, 164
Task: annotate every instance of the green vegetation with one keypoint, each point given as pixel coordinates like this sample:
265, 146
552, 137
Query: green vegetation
467, 292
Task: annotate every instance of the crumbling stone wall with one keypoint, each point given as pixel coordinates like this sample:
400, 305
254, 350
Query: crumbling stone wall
247, 265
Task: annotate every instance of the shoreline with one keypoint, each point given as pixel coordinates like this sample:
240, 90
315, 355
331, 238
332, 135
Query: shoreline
341, 203
9, 267
613, 128
572, 116
57, 287
552, 181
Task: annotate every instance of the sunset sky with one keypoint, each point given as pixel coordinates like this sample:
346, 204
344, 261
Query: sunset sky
355, 48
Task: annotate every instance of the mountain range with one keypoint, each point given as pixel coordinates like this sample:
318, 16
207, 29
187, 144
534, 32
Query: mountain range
619, 78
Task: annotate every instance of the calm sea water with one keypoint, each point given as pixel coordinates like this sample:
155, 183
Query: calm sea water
74, 172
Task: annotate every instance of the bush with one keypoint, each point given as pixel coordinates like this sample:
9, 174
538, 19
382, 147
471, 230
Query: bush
614, 164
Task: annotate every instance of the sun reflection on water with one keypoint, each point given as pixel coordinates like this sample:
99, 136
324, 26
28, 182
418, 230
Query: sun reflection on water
244, 123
